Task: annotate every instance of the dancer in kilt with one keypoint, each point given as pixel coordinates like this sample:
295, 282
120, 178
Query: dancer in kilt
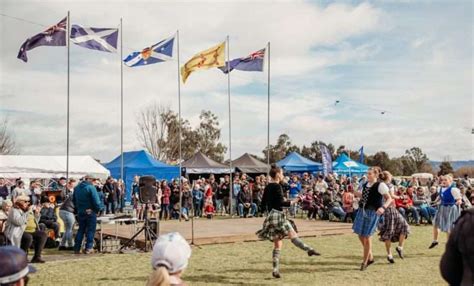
371, 208
276, 226
449, 208
393, 227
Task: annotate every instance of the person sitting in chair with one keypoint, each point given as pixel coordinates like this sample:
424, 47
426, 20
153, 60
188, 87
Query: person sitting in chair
245, 203
48, 217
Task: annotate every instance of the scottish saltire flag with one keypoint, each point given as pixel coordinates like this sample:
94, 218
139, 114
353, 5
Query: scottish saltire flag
102, 39
53, 36
326, 158
361, 156
253, 62
159, 52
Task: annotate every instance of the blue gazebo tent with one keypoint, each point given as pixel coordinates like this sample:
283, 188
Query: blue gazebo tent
140, 163
344, 165
294, 162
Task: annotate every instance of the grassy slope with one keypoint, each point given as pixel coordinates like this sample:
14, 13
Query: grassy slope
250, 264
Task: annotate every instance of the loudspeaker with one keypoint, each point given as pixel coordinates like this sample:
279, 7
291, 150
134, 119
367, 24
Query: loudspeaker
147, 189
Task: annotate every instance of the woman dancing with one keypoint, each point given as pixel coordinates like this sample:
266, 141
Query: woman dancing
276, 226
371, 208
449, 209
394, 226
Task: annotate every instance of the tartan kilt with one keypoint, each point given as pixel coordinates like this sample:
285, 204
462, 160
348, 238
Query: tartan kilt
275, 226
393, 225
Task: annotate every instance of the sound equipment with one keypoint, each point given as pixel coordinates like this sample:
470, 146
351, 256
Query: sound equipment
147, 190
147, 196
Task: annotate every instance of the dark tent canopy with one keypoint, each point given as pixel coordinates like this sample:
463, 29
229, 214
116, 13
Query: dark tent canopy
140, 163
201, 164
250, 165
294, 162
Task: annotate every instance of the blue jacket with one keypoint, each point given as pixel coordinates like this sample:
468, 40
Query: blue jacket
85, 197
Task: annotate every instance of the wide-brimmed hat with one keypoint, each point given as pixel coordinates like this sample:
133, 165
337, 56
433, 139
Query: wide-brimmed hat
23, 197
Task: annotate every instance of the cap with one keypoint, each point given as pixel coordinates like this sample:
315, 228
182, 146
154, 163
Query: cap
14, 264
171, 251
23, 197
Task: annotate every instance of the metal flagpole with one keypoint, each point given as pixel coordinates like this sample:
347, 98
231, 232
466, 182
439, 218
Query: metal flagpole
121, 103
68, 88
231, 183
268, 105
179, 128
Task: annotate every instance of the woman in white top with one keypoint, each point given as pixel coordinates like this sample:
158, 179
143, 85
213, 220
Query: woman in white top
449, 208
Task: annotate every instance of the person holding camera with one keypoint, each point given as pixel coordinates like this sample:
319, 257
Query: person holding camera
16, 222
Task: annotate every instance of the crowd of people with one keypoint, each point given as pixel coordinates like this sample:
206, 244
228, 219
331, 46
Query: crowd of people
320, 197
29, 216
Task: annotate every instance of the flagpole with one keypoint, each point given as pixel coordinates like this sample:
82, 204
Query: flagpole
231, 185
268, 106
68, 89
121, 104
179, 128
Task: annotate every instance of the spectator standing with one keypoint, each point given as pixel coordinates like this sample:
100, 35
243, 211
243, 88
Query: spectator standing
165, 201
87, 205
198, 197
4, 191
110, 193
66, 213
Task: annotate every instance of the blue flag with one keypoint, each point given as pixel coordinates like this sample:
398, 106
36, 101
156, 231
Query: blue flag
102, 39
327, 159
253, 62
159, 52
361, 156
53, 36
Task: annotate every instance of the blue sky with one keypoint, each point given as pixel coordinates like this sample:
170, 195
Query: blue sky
412, 59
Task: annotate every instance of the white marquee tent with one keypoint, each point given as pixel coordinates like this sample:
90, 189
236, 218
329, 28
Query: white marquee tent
46, 167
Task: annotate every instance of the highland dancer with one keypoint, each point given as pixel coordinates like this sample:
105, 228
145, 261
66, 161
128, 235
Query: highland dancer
394, 227
276, 226
371, 208
449, 209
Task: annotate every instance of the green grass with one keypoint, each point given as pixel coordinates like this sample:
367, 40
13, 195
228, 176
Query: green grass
250, 264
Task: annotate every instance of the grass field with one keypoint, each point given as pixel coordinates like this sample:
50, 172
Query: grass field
250, 264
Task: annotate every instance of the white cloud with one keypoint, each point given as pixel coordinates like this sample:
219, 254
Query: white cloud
307, 41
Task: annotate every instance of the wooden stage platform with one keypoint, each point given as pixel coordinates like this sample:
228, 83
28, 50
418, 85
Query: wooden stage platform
226, 230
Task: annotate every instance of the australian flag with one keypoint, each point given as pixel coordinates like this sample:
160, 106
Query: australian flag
101, 39
53, 36
159, 52
253, 62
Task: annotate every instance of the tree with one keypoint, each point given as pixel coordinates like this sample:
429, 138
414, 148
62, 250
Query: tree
380, 159
158, 132
415, 161
313, 152
208, 135
282, 148
445, 168
7, 140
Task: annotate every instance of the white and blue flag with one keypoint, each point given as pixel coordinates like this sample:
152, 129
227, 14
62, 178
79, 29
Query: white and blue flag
102, 39
159, 52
